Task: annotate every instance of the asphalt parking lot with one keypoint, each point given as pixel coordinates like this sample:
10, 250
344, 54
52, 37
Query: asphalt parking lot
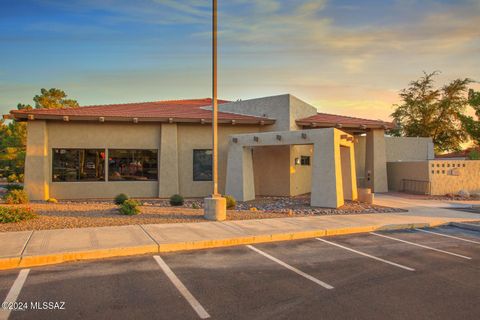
429, 274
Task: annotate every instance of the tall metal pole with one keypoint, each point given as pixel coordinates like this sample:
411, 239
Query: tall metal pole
214, 100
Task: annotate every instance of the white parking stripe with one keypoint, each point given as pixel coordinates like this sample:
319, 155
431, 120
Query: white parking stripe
289, 267
13, 293
202, 313
367, 255
448, 236
422, 246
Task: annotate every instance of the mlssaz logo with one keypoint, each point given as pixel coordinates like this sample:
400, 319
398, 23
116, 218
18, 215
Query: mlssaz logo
47, 305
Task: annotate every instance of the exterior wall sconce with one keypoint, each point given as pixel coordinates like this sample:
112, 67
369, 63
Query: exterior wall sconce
65, 118
31, 117
170, 120
262, 123
233, 122
304, 135
279, 137
101, 119
255, 139
135, 120
202, 121
297, 161
363, 127
235, 140
339, 125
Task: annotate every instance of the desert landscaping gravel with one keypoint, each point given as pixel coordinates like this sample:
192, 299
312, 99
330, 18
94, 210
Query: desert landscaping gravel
82, 214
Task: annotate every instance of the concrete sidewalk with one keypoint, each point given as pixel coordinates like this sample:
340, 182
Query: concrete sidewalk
34, 248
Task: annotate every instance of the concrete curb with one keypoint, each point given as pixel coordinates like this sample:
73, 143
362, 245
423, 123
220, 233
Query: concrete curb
25, 261
467, 226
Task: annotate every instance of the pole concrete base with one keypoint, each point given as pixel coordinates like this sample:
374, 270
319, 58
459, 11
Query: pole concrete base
215, 208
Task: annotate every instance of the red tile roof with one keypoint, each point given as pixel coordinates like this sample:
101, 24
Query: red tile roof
458, 154
328, 120
178, 110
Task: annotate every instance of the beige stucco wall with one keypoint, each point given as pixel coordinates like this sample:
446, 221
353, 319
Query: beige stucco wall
451, 176
300, 176
445, 176
411, 170
175, 161
271, 174
408, 149
360, 156
192, 137
101, 135
37, 167
285, 109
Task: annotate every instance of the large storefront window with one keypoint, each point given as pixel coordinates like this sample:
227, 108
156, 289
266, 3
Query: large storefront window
202, 165
70, 165
128, 165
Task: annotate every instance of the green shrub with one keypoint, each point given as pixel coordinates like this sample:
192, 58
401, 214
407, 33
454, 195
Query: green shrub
176, 200
195, 206
231, 202
12, 178
129, 207
474, 155
121, 198
8, 214
16, 197
11, 187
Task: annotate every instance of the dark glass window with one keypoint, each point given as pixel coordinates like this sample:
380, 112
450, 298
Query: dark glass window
128, 165
305, 160
69, 165
202, 165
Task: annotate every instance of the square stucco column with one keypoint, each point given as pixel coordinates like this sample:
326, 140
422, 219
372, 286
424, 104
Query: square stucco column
349, 176
327, 185
37, 166
168, 163
376, 161
240, 181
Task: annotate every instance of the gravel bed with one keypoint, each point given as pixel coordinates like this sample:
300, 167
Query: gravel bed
82, 214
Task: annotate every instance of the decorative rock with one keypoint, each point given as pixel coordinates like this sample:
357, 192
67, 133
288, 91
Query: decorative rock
475, 195
464, 194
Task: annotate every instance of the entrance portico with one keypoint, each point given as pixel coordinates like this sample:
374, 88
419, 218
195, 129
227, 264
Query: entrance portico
333, 166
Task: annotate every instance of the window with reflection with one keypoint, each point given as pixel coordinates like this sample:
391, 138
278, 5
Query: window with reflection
202, 165
71, 165
132, 165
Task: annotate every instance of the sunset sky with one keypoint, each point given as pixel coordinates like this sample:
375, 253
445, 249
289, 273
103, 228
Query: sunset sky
346, 57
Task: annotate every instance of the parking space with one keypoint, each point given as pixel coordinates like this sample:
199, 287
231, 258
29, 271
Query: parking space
432, 273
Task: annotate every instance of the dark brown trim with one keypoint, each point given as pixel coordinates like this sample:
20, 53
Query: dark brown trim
24, 116
385, 126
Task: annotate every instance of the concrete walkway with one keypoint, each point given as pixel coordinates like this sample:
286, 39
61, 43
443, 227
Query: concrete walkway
34, 248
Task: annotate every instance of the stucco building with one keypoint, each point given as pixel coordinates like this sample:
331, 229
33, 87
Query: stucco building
156, 149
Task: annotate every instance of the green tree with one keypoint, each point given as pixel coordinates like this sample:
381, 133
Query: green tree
13, 135
53, 99
472, 126
427, 111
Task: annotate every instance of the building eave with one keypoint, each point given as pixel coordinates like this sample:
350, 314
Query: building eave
32, 117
